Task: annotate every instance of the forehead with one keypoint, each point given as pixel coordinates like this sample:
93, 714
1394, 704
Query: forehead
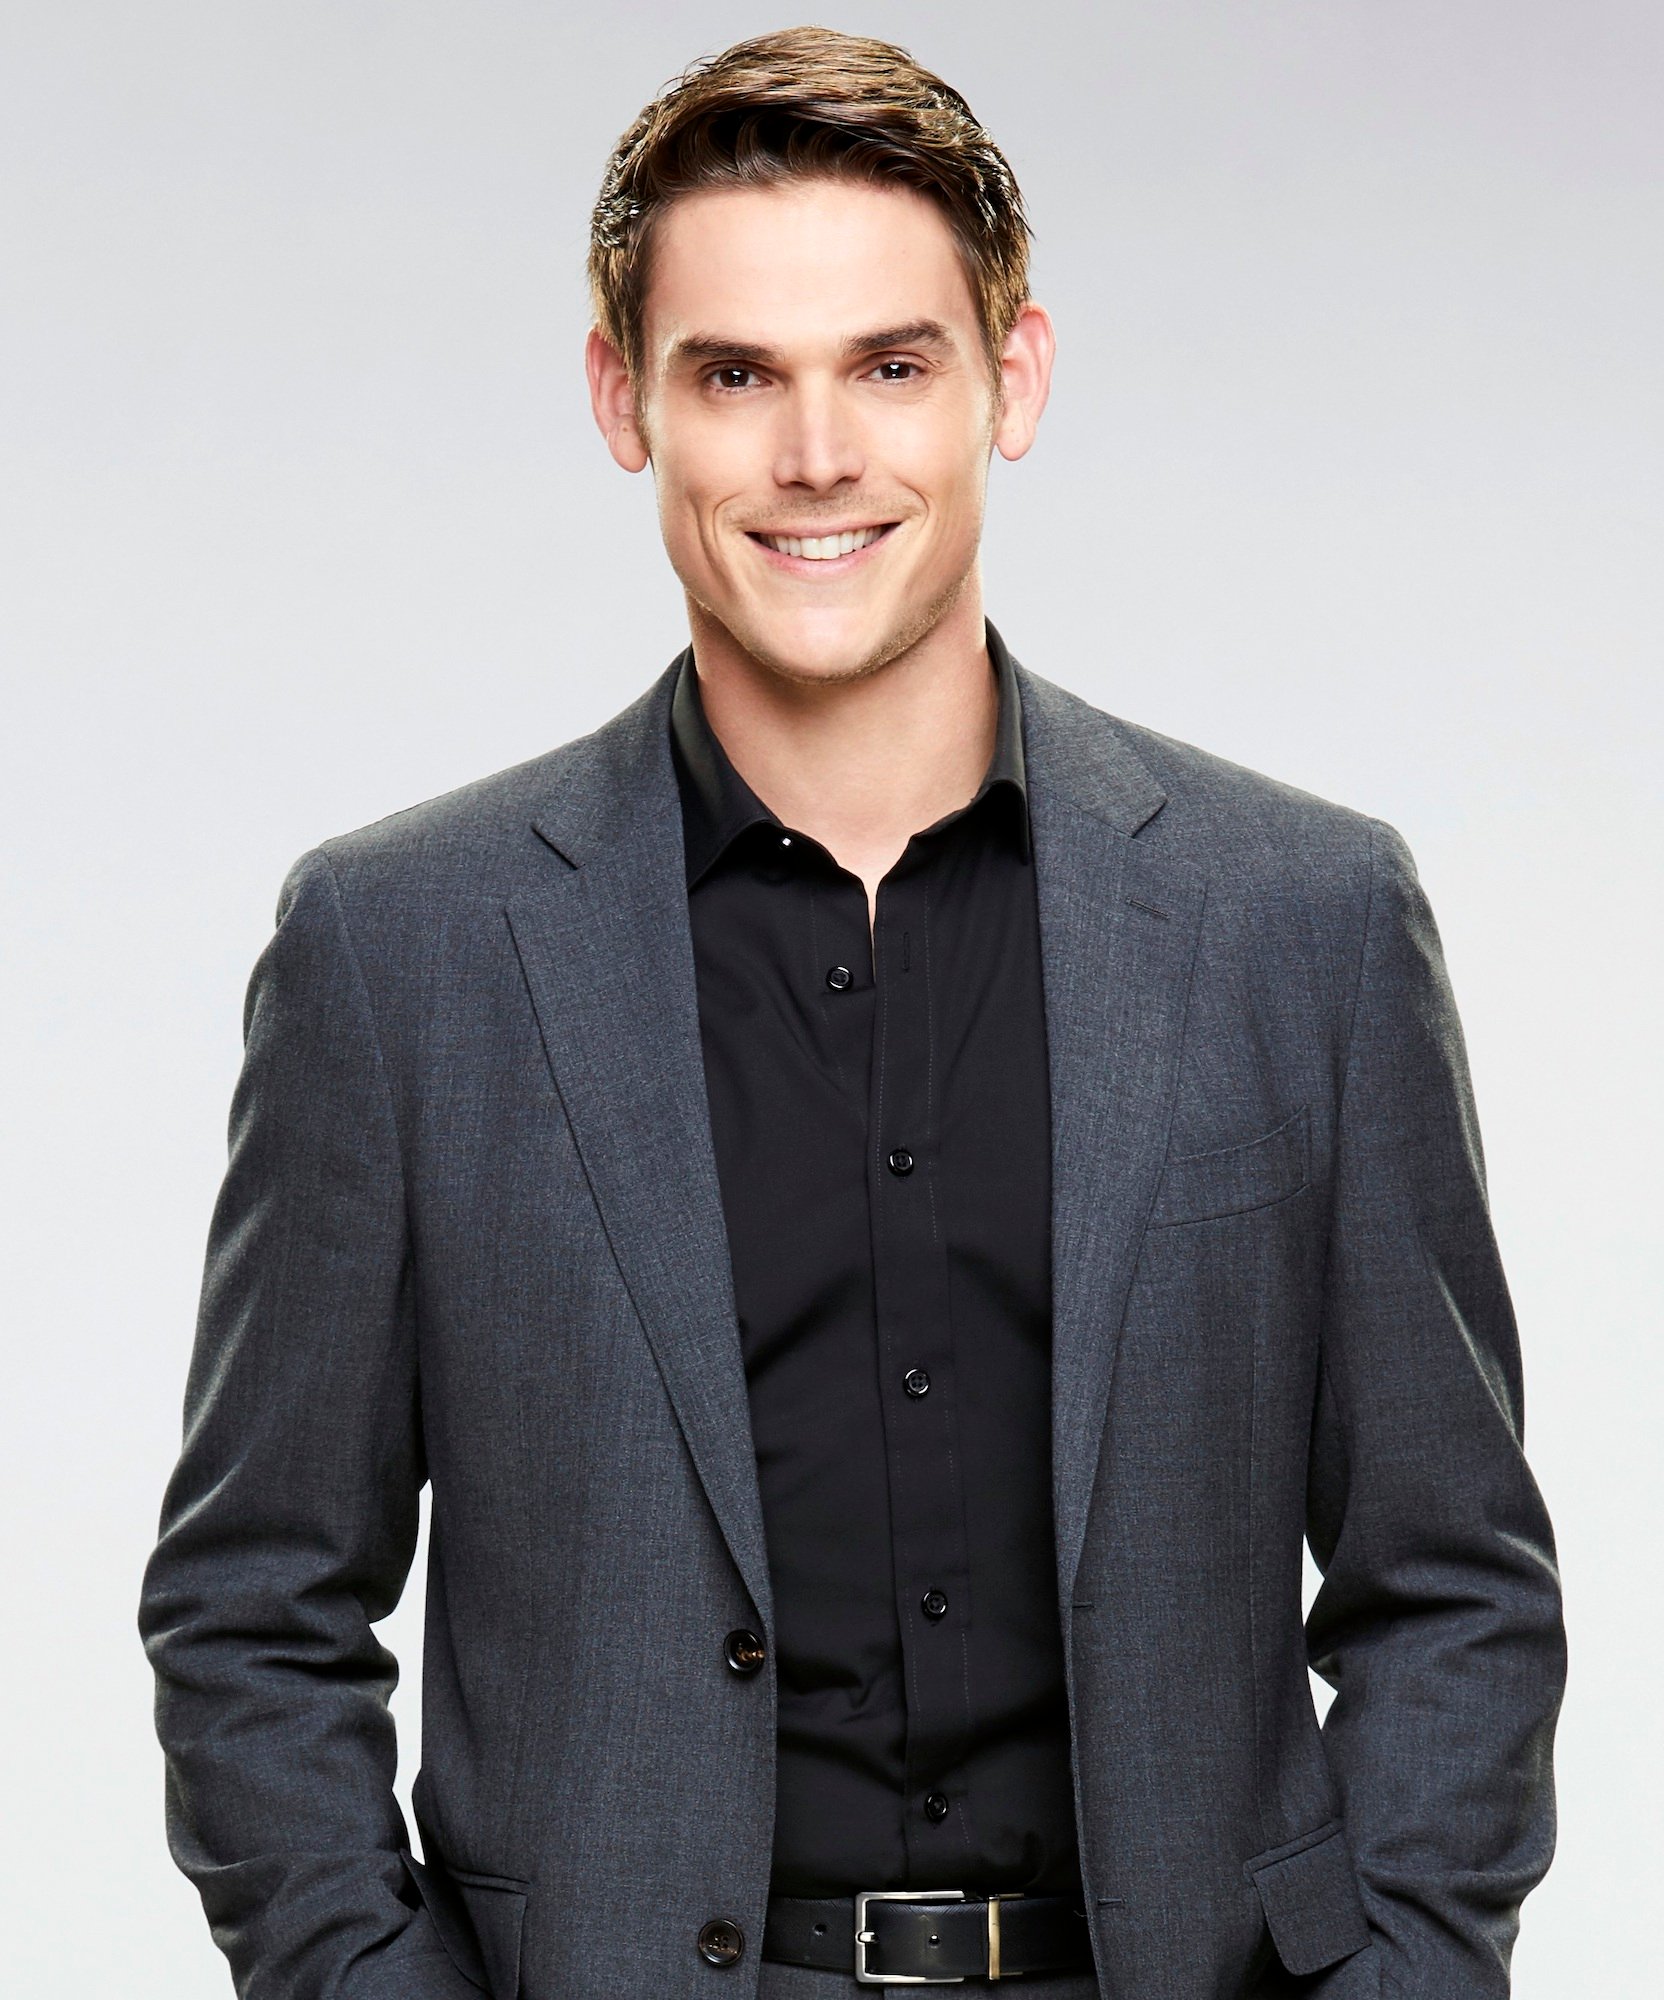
798, 268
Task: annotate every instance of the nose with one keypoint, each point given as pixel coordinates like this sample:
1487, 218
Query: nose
819, 442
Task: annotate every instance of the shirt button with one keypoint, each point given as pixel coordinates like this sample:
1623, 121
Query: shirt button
916, 1381
933, 1604
743, 1651
901, 1161
720, 1941
936, 1805
839, 977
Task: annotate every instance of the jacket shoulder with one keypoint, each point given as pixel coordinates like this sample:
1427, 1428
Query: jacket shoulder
1244, 824
1190, 803
486, 812
480, 837
475, 839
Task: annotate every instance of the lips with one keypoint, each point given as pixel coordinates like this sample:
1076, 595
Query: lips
822, 565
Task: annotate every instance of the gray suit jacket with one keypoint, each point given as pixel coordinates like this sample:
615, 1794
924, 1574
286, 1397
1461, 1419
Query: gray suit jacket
471, 1234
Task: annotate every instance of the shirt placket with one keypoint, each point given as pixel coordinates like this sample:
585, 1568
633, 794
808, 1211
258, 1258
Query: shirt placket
917, 1379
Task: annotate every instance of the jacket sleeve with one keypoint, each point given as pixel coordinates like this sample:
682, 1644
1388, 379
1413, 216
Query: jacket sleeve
289, 1522
1438, 1622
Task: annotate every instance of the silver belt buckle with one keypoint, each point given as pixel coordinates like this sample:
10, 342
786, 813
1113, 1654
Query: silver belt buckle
864, 1937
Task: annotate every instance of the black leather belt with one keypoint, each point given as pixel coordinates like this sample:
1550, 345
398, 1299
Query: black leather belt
888, 1936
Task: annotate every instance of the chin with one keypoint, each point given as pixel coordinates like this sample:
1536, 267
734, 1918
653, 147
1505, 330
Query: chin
823, 649
832, 643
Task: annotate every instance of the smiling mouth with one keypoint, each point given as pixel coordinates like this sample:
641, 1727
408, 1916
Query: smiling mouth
823, 548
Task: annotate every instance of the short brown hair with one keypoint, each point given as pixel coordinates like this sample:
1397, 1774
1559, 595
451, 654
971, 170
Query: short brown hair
807, 104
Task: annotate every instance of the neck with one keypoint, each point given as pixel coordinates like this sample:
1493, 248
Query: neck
859, 759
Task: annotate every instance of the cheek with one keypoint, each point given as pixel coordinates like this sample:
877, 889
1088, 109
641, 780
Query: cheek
688, 505
941, 462
954, 490
700, 468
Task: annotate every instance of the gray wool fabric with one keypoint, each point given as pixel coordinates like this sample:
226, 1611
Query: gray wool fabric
470, 1233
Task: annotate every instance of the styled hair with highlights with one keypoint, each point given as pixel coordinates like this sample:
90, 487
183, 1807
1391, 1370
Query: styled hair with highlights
807, 104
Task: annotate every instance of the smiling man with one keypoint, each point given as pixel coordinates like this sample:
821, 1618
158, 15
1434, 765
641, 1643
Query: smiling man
812, 383
887, 1203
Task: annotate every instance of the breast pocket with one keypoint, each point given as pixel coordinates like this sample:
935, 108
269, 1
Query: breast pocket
1231, 1180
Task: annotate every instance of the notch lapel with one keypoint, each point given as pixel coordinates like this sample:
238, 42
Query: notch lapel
1119, 925
607, 951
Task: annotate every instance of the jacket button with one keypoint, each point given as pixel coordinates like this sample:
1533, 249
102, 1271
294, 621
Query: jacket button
933, 1604
720, 1941
936, 1804
901, 1161
839, 977
916, 1381
743, 1651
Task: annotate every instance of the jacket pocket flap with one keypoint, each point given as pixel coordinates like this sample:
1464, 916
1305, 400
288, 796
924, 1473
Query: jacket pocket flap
498, 1912
1197, 1186
479, 1919
1310, 1894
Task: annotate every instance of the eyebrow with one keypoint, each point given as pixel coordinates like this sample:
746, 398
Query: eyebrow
695, 347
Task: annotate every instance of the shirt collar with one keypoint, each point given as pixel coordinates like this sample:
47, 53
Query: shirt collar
718, 805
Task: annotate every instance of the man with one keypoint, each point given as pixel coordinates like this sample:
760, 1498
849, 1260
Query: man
885, 1201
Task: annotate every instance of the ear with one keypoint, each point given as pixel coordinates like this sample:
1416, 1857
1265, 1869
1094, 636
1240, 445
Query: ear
1026, 376
612, 399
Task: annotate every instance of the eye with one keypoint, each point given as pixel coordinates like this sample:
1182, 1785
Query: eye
715, 376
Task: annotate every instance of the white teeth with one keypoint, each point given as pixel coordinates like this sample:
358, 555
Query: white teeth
822, 548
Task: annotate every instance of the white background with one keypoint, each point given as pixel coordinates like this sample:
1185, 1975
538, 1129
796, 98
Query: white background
1351, 473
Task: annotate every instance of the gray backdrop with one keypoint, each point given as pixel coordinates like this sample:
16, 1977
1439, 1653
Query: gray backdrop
1351, 472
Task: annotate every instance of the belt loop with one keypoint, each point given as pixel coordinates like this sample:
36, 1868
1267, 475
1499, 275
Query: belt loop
994, 1901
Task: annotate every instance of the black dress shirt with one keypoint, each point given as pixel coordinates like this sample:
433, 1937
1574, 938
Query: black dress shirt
881, 1116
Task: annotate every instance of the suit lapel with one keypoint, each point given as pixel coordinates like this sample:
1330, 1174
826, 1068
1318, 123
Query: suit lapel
1119, 925
608, 957
607, 951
